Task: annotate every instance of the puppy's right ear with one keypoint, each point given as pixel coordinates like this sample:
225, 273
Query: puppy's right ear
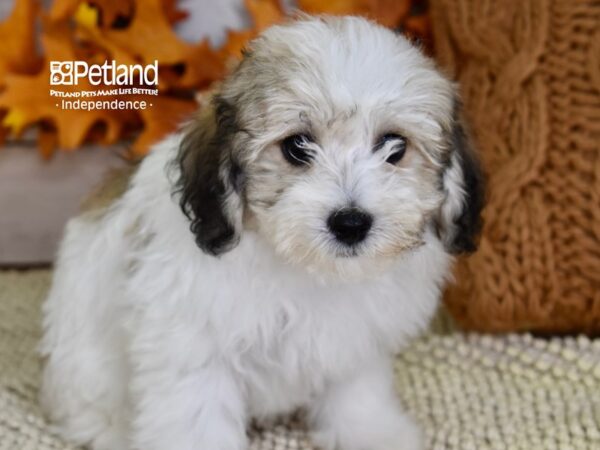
460, 219
210, 180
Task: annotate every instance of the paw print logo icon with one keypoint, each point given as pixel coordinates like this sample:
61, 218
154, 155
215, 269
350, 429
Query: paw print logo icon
61, 72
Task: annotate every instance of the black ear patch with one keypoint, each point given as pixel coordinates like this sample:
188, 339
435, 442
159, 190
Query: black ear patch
460, 225
209, 181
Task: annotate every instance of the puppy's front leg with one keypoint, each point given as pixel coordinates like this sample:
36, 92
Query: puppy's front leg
191, 406
363, 413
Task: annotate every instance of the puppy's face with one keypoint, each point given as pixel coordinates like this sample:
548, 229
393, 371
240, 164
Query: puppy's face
336, 141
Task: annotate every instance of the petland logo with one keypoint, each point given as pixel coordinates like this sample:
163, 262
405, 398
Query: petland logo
107, 86
68, 73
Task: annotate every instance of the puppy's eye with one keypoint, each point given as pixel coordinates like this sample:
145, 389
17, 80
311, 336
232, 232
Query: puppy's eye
295, 151
393, 145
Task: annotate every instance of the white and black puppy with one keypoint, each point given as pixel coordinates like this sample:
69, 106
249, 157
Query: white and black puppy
327, 186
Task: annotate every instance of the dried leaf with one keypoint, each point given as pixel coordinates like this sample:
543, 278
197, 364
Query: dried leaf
236, 42
171, 11
132, 32
86, 15
162, 118
108, 13
149, 37
47, 140
263, 13
337, 7
387, 12
18, 52
113, 13
417, 26
27, 100
63, 9
4, 132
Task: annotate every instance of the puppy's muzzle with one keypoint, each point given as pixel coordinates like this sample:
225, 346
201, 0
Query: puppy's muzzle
350, 225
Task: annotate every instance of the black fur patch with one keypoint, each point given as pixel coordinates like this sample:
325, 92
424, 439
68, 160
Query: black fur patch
204, 155
468, 223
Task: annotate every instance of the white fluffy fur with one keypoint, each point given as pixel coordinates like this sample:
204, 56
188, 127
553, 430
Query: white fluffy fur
152, 344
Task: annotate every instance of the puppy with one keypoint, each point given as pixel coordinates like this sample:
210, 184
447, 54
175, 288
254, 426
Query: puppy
272, 256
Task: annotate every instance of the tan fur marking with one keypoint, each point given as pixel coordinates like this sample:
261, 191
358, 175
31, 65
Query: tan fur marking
108, 191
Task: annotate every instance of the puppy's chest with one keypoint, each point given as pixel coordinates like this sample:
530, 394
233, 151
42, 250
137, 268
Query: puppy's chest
296, 342
287, 368
291, 331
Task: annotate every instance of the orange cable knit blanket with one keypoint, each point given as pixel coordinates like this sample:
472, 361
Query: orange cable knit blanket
530, 77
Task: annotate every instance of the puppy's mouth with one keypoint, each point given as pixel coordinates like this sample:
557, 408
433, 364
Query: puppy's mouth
347, 251
366, 249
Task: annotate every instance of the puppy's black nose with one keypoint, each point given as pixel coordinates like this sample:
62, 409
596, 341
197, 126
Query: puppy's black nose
350, 225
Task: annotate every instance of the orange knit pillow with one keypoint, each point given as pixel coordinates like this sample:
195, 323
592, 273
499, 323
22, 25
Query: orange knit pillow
530, 77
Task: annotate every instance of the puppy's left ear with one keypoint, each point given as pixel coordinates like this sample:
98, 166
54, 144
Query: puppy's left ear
210, 180
459, 220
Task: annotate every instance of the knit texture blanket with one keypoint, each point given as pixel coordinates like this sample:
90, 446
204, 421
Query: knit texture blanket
470, 392
529, 72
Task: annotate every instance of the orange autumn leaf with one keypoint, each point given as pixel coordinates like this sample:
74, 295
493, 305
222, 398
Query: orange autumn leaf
18, 52
47, 140
236, 42
417, 26
167, 113
150, 37
4, 132
263, 14
162, 118
171, 11
337, 7
113, 13
27, 101
132, 32
387, 12
107, 13
82, 10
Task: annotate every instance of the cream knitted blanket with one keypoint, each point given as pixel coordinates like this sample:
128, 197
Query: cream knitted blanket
470, 392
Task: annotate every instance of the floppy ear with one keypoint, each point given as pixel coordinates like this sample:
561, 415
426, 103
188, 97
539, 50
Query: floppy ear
210, 180
459, 222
